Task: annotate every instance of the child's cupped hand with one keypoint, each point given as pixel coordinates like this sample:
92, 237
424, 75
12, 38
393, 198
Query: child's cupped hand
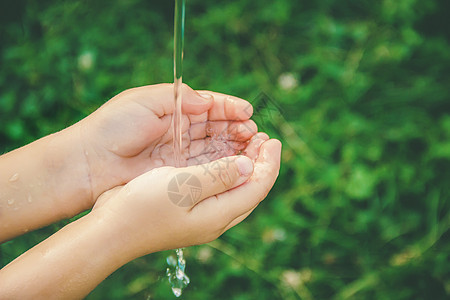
169, 207
131, 134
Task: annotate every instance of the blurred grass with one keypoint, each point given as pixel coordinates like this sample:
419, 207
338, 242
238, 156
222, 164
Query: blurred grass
358, 91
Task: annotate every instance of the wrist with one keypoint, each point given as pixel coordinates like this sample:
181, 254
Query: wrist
117, 234
96, 160
67, 171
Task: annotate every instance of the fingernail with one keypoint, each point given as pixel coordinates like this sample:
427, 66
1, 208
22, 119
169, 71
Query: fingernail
207, 97
245, 165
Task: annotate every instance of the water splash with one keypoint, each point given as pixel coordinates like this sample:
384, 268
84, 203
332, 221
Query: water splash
176, 271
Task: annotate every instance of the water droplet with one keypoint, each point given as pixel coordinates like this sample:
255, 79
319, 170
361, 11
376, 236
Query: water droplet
29, 199
171, 261
176, 273
176, 291
10, 202
13, 178
86, 153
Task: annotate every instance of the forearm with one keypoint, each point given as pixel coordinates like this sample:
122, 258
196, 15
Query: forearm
69, 264
42, 182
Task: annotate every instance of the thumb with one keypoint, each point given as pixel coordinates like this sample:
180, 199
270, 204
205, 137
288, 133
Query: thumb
193, 184
159, 99
195, 103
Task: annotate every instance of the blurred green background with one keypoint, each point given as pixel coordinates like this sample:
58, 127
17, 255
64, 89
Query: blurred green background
357, 90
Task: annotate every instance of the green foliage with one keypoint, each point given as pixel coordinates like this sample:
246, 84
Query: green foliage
358, 91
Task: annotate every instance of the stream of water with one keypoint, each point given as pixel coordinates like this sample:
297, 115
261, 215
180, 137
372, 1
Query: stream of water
176, 270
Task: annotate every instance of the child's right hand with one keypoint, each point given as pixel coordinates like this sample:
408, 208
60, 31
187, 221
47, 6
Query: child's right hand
149, 215
141, 217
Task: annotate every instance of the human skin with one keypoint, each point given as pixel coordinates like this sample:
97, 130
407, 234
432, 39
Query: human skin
119, 158
139, 218
62, 174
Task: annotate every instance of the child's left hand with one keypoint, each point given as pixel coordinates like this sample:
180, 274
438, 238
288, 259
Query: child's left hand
62, 174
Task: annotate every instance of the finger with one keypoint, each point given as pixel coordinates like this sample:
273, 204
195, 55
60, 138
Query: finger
215, 177
228, 107
228, 206
238, 131
201, 118
252, 149
194, 103
201, 152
